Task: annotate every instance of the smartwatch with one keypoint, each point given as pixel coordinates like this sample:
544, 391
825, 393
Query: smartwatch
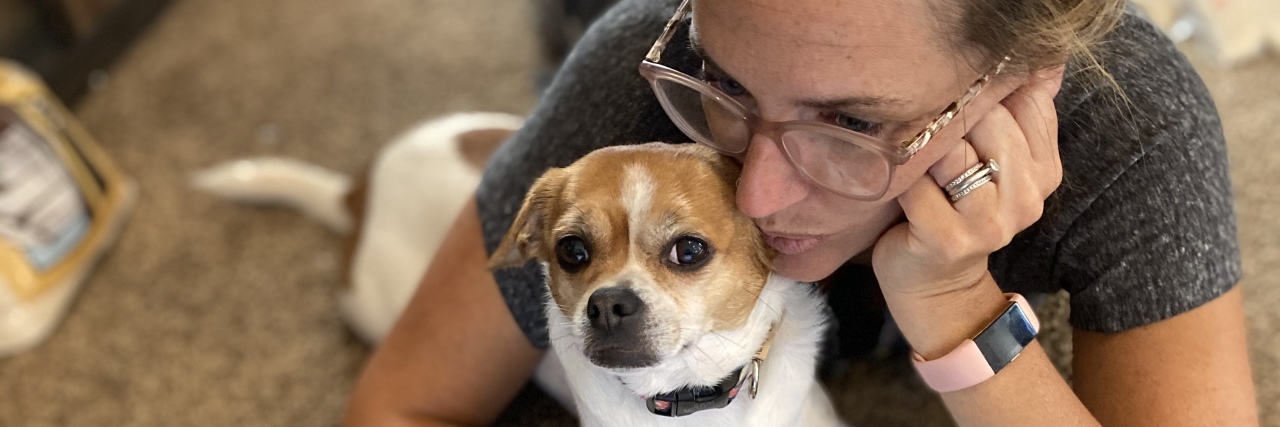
981, 357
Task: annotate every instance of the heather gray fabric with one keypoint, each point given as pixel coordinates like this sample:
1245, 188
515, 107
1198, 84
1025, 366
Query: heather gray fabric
1142, 228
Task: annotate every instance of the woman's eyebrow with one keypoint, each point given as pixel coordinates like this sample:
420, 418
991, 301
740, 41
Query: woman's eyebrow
854, 102
707, 61
851, 103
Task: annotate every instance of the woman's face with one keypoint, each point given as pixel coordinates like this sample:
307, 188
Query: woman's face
889, 59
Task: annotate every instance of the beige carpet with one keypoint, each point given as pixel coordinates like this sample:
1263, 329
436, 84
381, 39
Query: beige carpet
209, 314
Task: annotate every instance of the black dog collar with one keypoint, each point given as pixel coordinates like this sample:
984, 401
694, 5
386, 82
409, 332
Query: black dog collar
689, 400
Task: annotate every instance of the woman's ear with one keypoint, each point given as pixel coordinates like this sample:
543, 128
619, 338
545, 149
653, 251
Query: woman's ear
524, 240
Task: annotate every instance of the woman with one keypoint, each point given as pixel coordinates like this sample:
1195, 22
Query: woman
1140, 231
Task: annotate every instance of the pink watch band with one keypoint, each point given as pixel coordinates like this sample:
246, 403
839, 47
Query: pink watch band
965, 366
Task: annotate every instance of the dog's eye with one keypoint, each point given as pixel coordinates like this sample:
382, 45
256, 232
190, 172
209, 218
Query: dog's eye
688, 252
572, 253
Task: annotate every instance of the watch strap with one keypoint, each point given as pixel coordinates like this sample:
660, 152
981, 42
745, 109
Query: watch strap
980, 358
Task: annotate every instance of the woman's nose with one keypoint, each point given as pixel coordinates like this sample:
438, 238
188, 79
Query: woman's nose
769, 182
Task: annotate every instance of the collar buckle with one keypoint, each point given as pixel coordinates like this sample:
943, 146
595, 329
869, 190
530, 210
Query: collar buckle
689, 400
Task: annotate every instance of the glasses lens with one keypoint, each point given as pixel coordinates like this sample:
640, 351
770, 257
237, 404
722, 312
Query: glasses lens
840, 165
703, 117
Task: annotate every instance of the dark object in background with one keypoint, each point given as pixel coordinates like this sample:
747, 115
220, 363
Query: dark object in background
560, 24
67, 41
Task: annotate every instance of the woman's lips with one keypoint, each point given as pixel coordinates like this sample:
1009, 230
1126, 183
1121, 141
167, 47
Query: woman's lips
792, 244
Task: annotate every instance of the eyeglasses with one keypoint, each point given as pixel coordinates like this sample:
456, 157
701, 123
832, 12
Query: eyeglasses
848, 163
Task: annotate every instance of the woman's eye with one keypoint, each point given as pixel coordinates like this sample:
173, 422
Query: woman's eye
688, 252
730, 87
572, 253
854, 124
724, 84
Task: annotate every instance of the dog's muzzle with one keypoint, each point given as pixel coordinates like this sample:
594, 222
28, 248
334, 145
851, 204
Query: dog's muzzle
615, 337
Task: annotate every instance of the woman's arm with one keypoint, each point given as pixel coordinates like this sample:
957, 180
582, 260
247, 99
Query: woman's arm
1189, 370
1027, 392
456, 356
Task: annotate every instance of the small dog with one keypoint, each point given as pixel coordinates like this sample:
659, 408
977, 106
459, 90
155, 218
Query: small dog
661, 305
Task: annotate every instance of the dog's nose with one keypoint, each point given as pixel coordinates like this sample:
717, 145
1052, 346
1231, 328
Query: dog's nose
614, 308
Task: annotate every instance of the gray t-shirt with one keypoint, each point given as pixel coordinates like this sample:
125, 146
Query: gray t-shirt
1141, 229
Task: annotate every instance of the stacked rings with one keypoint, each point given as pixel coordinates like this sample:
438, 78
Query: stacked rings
971, 179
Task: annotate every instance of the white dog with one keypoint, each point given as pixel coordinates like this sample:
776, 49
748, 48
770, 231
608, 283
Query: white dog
661, 304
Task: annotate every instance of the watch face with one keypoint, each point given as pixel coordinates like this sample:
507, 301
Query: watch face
1005, 338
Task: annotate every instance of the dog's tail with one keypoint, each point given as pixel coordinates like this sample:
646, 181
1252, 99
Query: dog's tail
315, 191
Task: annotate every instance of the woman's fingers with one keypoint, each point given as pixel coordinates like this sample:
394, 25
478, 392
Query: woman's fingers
1024, 183
1033, 109
955, 162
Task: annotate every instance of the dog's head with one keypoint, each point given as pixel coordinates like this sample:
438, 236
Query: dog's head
644, 249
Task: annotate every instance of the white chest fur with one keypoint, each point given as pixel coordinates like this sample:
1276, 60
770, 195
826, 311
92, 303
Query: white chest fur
789, 394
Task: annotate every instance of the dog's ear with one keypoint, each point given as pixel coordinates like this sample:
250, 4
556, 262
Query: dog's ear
523, 240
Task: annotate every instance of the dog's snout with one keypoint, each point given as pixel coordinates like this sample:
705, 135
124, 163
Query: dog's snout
616, 335
614, 309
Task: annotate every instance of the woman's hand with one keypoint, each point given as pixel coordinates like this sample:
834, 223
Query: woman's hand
943, 246
933, 268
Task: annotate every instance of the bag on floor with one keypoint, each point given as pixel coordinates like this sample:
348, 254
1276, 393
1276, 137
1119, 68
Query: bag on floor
62, 202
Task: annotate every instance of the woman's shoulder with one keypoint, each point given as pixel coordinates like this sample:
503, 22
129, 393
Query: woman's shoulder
631, 23
1136, 74
1147, 101
1142, 226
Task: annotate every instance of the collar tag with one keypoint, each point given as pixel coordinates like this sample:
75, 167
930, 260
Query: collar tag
755, 377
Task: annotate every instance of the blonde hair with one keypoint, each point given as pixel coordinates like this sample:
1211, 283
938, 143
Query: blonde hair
1038, 34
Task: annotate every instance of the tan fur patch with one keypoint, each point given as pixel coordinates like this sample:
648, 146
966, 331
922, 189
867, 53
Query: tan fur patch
356, 202
478, 145
692, 195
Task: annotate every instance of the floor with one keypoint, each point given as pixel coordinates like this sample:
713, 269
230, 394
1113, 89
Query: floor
208, 313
